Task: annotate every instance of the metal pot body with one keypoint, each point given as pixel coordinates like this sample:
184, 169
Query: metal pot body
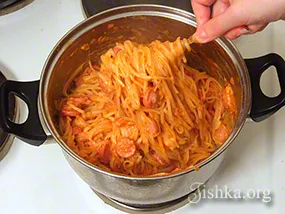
142, 24
138, 192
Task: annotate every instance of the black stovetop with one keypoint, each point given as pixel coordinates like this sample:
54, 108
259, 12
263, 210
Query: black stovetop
92, 7
7, 3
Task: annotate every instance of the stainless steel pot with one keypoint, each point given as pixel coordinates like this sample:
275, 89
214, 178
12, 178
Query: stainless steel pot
139, 23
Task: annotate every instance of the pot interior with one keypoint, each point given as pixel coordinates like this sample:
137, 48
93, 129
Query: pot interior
90, 39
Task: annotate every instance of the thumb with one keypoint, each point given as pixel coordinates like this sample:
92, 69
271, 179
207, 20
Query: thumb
219, 25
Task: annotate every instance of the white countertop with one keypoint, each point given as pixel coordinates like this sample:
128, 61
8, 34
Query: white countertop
39, 180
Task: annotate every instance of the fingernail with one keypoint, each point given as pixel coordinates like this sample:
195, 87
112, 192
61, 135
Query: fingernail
244, 31
201, 37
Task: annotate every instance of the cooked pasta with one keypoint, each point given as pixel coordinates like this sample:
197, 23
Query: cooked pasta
142, 111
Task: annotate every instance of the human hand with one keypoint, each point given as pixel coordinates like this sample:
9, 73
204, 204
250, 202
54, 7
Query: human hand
233, 18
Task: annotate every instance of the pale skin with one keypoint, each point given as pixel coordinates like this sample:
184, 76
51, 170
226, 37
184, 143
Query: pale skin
233, 18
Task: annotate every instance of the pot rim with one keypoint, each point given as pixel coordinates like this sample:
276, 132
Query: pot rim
154, 10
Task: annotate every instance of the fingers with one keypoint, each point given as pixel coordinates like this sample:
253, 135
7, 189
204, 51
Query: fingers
219, 25
202, 11
236, 32
256, 28
244, 30
220, 7
234, 18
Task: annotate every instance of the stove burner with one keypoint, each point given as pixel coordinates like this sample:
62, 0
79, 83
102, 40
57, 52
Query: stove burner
9, 6
6, 140
152, 209
92, 7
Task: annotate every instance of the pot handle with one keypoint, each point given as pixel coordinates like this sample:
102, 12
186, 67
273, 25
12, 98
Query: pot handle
262, 105
31, 130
